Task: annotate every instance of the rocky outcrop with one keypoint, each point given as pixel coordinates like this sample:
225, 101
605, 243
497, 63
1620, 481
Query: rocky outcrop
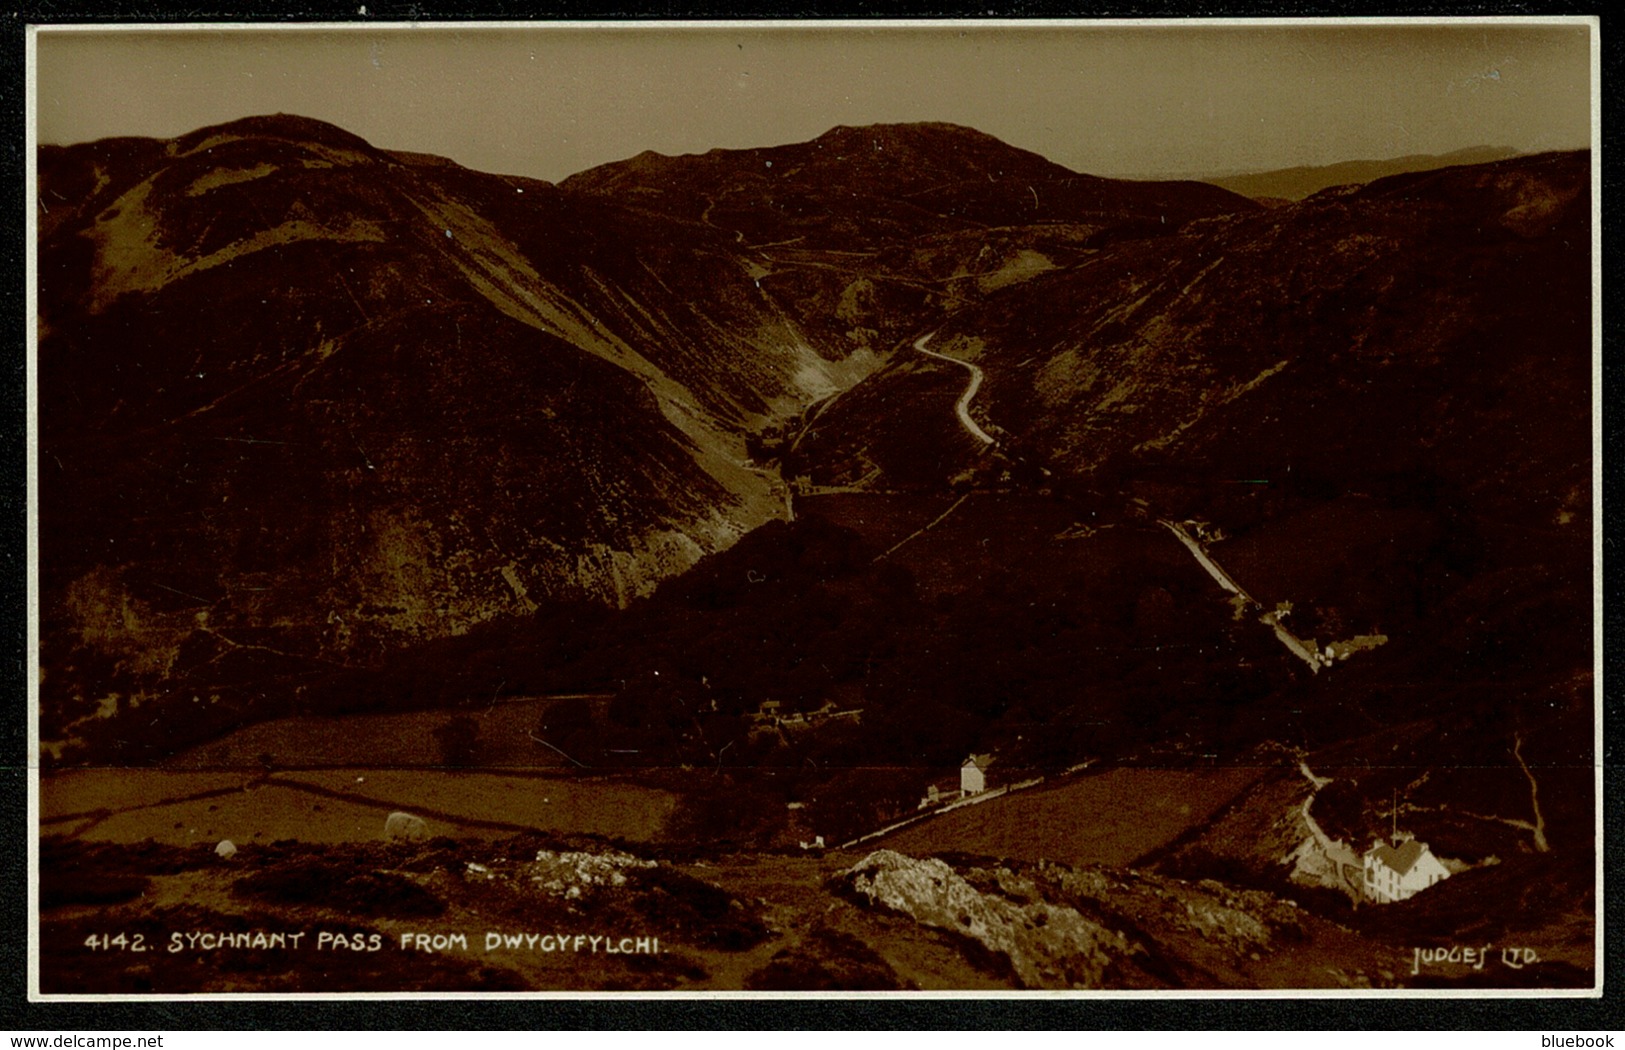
1061, 927
776, 922
1188, 933
405, 827
570, 874
1320, 860
1048, 946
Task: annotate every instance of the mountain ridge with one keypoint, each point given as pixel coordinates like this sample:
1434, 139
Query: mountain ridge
1298, 182
884, 181
312, 403
274, 346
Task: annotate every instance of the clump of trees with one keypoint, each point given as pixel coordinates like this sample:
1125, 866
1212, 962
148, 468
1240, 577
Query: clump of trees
855, 801
730, 809
459, 741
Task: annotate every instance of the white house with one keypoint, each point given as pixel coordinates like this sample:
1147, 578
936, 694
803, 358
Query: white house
1393, 873
973, 774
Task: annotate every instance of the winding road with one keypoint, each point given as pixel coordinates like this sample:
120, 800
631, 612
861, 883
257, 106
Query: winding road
1295, 645
962, 408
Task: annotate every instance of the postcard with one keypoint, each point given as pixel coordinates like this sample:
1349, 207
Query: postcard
989, 508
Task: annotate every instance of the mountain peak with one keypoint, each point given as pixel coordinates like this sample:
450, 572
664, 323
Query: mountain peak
908, 129
290, 126
924, 136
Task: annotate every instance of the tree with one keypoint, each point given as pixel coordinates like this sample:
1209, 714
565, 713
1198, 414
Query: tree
737, 810
459, 740
856, 801
562, 717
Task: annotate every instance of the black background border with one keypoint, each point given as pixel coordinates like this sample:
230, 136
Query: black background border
1440, 1012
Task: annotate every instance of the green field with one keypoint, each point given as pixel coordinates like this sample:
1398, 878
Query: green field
85, 791
262, 814
377, 740
571, 805
340, 805
1108, 818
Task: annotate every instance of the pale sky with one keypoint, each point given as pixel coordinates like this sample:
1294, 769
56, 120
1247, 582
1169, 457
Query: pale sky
548, 101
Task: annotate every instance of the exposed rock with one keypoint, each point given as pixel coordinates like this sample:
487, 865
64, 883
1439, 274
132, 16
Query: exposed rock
571, 874
1063, 927
1048, 946
1196, 932
404, 827
1320, 860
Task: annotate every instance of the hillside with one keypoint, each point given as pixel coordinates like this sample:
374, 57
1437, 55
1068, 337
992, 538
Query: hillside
308, 402
1419, 347
1294, 184
313, 408
500, 915
636, 532
1371, 403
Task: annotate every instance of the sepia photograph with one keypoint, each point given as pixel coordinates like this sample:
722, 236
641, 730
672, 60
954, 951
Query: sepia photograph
987, 508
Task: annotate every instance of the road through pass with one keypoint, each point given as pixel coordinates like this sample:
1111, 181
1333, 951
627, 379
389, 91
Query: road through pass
962, 408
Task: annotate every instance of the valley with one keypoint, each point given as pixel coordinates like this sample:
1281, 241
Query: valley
696, 512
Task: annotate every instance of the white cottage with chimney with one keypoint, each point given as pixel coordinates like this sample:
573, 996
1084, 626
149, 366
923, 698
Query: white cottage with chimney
1394, 873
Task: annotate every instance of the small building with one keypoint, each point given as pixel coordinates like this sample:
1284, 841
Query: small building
938, 794
973, 774
1397, 872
